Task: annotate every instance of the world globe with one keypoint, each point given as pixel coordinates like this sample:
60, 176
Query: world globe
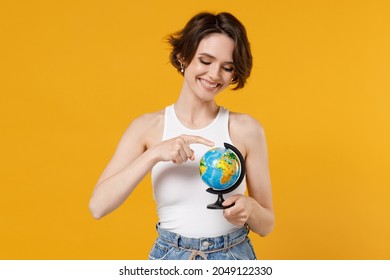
220, 168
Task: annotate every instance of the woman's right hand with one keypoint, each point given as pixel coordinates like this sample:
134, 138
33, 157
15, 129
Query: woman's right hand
178, 149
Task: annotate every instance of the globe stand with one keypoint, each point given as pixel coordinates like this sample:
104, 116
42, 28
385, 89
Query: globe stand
220, 200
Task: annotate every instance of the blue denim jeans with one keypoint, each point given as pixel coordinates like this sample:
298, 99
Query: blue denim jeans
232, 246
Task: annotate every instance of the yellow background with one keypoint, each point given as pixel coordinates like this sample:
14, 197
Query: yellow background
75, 73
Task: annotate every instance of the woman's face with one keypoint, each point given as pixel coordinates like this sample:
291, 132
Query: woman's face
212, 69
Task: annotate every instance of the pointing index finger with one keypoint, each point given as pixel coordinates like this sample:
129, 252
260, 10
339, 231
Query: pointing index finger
193, 139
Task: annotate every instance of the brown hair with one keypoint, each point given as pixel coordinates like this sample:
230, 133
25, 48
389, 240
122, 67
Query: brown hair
185, 42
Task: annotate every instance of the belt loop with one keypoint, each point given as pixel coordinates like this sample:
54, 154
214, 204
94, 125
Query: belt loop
248, 229
225, 241
177, 240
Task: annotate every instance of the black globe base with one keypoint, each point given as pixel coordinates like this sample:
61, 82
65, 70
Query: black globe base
218, 203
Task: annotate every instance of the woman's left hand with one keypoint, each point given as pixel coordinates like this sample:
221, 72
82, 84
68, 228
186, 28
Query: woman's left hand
240, 212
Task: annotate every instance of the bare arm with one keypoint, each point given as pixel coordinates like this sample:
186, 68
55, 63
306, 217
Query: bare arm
257, 208
129, 165
134, 157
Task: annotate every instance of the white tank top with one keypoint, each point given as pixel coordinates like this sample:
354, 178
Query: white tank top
180, 193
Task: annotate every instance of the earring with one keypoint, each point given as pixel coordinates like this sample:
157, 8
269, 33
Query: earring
181, 67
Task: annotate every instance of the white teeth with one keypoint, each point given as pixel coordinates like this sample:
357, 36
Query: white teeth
207, 84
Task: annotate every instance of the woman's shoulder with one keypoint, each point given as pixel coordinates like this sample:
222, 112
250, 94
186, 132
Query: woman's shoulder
244, 122
148, 120
245, 131
147, 128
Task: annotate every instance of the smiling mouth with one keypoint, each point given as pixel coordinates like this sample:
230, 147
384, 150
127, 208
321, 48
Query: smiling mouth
208, 84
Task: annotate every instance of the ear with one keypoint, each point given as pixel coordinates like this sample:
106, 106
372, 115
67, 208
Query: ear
180, 58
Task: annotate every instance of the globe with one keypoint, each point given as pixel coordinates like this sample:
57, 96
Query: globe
220, 168
223, 170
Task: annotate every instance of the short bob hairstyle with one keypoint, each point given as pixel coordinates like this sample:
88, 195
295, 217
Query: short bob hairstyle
185, 42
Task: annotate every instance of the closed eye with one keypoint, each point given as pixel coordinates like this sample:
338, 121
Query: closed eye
228, 69
204, 62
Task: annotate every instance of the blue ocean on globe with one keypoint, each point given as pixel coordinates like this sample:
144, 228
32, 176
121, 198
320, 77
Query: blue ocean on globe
220, 168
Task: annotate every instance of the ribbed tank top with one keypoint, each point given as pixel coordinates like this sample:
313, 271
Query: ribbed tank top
178, 190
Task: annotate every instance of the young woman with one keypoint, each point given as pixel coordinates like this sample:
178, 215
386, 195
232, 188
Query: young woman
211, 52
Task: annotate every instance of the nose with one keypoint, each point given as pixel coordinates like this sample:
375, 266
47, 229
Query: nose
214, 72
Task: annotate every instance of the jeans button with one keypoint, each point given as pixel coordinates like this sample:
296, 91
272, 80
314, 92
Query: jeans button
205, 244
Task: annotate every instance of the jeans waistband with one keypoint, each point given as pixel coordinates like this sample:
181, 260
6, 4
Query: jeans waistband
204, 244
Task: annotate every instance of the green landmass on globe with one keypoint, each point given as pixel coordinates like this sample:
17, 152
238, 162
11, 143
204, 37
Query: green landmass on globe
219, 168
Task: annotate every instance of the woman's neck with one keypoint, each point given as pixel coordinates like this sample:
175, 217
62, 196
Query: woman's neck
195, 113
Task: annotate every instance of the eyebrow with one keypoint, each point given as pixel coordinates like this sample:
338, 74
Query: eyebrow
213, 57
